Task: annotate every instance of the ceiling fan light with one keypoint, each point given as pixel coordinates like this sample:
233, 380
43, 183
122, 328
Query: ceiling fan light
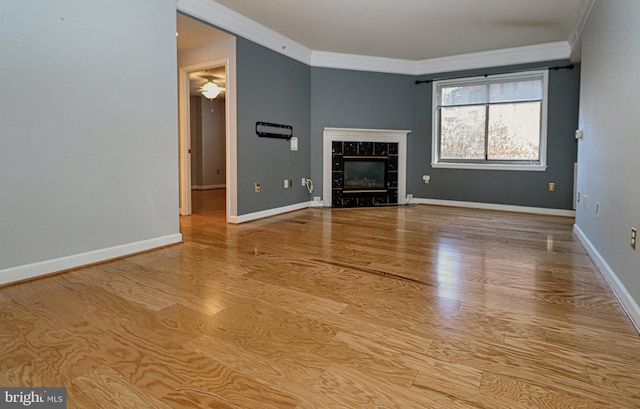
210, 90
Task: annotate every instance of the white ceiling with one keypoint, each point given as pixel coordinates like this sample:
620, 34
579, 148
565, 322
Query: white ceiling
412, 29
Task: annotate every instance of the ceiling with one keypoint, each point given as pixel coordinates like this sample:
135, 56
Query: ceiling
193, 34
402, 29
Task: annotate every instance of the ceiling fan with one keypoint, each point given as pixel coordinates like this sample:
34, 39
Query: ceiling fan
210, 88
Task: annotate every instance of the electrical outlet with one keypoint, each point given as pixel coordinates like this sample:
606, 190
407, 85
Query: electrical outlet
552, 187
317, 199
286, 183
304, 182
256, 187
409, 196
634, 237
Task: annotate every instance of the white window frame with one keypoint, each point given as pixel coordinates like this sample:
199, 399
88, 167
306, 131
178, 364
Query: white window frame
540, 165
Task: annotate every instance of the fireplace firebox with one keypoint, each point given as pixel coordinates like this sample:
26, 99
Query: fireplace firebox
365, 174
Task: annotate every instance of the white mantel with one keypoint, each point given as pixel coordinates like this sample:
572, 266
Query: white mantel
363, 135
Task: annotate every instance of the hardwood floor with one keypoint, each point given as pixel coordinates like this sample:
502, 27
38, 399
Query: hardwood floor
209, 203
410, 307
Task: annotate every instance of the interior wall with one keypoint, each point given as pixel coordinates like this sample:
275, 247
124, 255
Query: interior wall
212, 154
357, 99
208, 140
343, 98
276, 89
607, 157
517, 188
96, 167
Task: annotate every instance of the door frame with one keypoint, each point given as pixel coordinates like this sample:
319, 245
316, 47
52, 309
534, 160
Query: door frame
184, 136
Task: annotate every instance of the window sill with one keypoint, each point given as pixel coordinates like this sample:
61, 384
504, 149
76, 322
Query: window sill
489, 166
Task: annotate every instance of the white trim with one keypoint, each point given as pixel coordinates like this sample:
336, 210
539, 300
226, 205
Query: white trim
27, 271
208, 187
268, 213
363, 135
220, 16
488, 166
625, 299
184, 143
362, 63
580, 22
494, 206
497, 58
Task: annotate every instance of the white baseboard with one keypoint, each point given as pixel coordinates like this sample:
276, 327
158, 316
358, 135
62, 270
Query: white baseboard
619, 290
267, 213
492, 206
208, 187
27, 271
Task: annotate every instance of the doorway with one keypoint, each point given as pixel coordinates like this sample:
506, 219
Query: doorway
202, 48
208, 142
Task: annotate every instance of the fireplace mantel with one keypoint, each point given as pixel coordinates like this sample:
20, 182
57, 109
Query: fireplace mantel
363, 135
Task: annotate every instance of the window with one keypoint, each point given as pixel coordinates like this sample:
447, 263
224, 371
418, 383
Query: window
497, 122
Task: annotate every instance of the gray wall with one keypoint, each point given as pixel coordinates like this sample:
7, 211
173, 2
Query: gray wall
271, 88
608, 155
357, 99
88, 158
213, 142
342, 98
208, 142
520, 188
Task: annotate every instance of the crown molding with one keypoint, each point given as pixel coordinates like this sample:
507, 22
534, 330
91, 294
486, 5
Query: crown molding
581, 20
222, 17
496, 58
362, 63
575, 35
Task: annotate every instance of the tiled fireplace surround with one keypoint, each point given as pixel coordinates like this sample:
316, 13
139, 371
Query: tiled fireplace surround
339, 143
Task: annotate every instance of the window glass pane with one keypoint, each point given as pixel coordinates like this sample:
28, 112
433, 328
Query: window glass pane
514, 131
516, 91
462, 132
463, 94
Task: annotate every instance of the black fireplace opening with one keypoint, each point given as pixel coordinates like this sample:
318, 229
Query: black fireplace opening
365, 174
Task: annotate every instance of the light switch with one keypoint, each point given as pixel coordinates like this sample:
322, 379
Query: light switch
294, 143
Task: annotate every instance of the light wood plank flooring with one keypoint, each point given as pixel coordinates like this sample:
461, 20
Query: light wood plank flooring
410, 307
209, 203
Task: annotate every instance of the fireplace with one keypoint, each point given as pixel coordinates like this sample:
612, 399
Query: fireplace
364, 167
